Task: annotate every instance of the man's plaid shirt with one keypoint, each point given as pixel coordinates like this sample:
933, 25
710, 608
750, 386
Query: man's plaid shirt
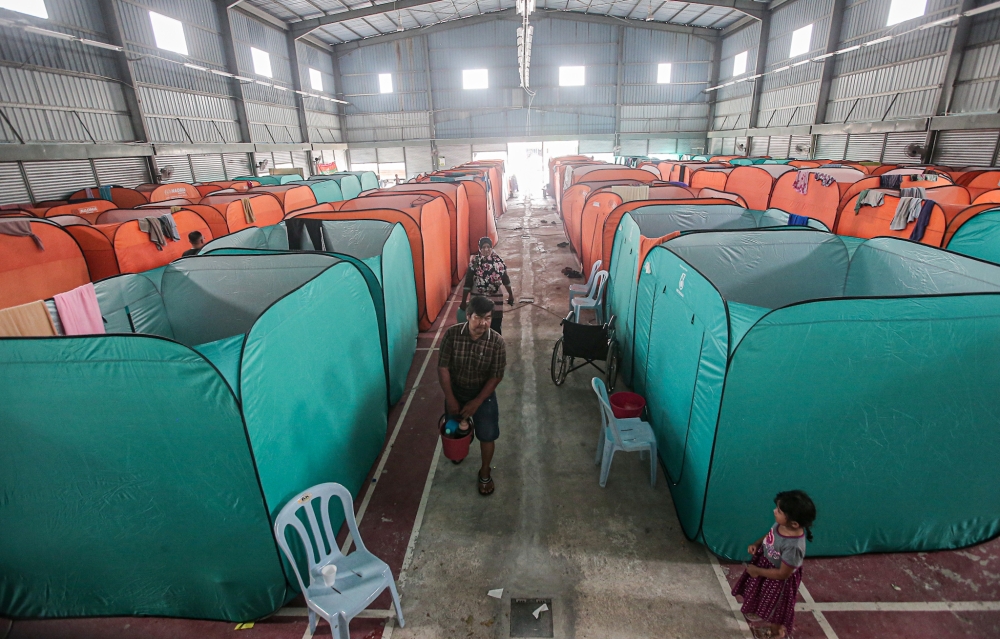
471, 362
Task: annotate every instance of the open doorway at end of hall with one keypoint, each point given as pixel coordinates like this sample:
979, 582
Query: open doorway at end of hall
527, 163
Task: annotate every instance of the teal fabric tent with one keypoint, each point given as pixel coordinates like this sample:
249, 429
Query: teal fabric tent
747, 161
349, 184
368, 179
142, 470
270, 180
977, 237
657, 220
325, 190
385, 249
777, 360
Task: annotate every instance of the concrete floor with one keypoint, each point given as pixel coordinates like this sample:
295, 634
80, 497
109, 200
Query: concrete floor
613, 560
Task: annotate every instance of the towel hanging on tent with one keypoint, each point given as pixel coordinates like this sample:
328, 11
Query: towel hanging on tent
797, 220
801, 183
915, 191
79, 313
631, 193
923, 219
248, 211
27, 320
152, 227
889, 181
20, 228
105, 192
169, 227
869, 197
824, 178
907, 211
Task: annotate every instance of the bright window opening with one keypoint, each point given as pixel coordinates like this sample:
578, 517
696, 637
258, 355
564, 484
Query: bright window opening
801, 41
261, 62
168, 33
315, 79
740, 63
390, 173
475, 79
31, 7
663, 73
903, 10
385, 83
572, 76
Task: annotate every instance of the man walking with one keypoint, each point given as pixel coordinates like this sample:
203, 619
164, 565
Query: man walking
470, 367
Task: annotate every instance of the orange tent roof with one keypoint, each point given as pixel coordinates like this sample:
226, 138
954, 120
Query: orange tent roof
88, 210
457, 199
123, 198
427, 226
873, 221
605, 172
166, 203
482, 222
292, 196
599, 205
957, 216
756, 182
265, 207
28, 273
983, 181
721, 195
988, 196
819, 202
709, 178
949, 194
111, 249
171, 191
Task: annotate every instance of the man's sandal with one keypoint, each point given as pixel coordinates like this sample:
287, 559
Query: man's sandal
485, 485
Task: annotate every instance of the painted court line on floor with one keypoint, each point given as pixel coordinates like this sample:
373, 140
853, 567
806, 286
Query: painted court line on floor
818, 614
899, 606
727, 592
399, 423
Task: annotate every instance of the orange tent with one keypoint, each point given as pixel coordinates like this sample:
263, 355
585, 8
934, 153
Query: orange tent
457, 199
709, 178
756, 182
498, 183
949, 194
721, 158
241, 186
854, 188
123, 198
873, 221
482, 222
292, 196
427, 226
88, 210
819, 202
265, 207
805, 164
171, 191
599, 205
28, 273
606, 172
111, 249
983, 181
957, 216
558, 173
987, 196
166, 204
721, 195
68, 220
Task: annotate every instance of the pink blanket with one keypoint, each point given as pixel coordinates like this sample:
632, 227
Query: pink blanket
79, 312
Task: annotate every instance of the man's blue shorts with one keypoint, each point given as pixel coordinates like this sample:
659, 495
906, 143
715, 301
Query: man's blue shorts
487, 419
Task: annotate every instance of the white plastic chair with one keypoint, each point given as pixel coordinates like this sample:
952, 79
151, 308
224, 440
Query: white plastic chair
361, 576
576, 290
629, 435
594, 299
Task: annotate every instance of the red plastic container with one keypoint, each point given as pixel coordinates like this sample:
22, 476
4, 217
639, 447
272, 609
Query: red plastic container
454, 449
625, 404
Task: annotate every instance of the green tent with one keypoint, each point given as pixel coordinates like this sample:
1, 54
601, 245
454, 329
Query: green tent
349, 184
142, 470
385, 249
776, 360
657, 220
777, 161
977, 237
325, 190
270, 180
747, 161
368, 179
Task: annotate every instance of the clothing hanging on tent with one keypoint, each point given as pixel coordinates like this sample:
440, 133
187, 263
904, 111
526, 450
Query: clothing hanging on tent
825, 178
20, 228
801, 183
248, 211
869, 197
906, 211
797, 220
27, 320
923, 219
914, 191
889, 181
169, 227
631, 193
154, 229
314, 228
79, 312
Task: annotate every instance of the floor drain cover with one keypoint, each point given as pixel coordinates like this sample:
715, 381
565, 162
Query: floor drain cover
522, 619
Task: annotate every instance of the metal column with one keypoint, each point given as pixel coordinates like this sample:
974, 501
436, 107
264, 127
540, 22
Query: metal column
832, 44
229, 47
758, 84
113, 29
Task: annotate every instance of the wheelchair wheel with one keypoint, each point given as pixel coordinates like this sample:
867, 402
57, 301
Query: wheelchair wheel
611, 376
558, 364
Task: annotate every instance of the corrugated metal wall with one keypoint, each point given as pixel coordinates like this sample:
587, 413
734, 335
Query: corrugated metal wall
978, 88
732, 109
789, 97
501, 110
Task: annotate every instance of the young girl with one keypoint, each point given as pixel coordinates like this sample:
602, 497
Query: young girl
769, 585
